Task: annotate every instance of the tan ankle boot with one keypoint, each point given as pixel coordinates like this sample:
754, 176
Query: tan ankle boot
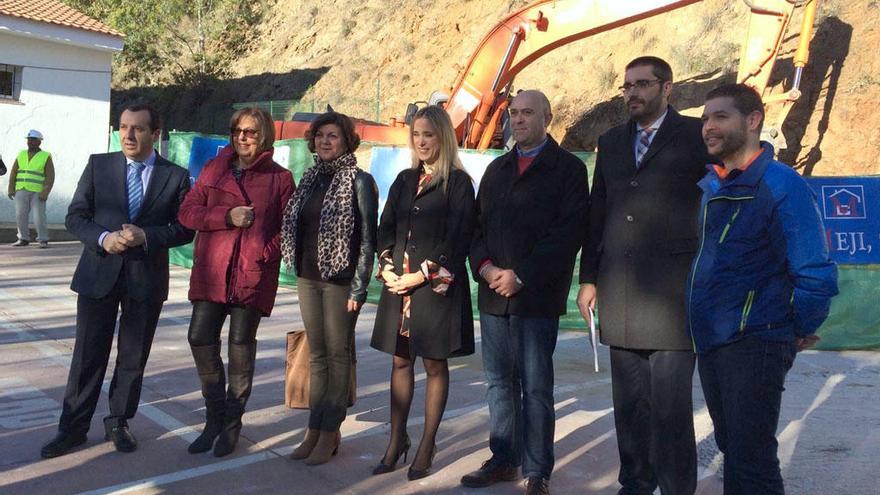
305, 448
327, 446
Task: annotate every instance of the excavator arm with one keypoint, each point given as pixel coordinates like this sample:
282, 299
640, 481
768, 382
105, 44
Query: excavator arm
480, 93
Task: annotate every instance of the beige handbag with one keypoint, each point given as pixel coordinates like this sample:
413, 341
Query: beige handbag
296, 381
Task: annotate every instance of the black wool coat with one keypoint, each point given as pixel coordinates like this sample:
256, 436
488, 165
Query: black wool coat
533, 224
439, 225
643, 233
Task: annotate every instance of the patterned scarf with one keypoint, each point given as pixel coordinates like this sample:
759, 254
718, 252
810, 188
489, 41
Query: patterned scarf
337, 215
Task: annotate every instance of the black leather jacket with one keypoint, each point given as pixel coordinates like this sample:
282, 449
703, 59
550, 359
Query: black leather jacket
363, 239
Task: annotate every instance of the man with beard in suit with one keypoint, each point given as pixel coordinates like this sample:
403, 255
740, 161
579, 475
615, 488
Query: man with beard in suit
641, 241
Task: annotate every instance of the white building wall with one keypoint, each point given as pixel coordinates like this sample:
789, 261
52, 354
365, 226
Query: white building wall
65, 94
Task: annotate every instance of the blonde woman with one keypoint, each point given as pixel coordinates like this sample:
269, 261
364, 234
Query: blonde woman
425, 307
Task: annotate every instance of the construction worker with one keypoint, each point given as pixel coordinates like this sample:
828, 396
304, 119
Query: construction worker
30, 182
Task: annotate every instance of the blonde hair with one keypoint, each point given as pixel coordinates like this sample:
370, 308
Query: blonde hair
448, 159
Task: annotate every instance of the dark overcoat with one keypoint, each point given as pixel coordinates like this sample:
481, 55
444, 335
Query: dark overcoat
532, 224
434, 225
643, 233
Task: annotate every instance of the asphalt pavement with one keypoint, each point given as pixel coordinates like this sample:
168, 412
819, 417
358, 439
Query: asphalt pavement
829, 432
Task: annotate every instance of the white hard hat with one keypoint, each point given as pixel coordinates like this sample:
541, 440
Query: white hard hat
33, 133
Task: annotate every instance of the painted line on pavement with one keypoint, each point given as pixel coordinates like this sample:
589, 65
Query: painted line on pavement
789, 436
165, 479
25, 333
267, 449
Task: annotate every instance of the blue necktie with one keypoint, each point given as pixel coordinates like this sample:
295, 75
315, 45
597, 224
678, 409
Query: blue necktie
135, 189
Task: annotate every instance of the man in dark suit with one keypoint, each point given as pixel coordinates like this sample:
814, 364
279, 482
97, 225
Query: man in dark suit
641, 241
531, 210
124, 211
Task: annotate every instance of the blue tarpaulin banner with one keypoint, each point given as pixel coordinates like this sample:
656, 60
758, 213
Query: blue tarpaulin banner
203, 149
850, 208
388, 161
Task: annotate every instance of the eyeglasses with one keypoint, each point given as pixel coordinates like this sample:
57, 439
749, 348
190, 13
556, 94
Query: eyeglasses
640, 84
248, 133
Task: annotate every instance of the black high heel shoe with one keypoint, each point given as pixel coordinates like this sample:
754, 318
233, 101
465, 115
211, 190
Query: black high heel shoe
417, 474
383, 468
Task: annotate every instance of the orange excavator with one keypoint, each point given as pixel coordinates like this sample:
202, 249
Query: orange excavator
479, 98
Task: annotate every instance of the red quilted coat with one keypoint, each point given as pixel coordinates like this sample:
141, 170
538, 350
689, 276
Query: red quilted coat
230, 264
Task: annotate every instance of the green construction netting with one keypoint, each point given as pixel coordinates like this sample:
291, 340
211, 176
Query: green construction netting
854, 322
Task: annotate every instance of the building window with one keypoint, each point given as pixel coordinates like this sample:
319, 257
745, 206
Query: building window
10, 82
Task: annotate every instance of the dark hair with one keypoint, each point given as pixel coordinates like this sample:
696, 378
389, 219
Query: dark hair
155, 118
659, 67
745, 99
349, 137
265, 125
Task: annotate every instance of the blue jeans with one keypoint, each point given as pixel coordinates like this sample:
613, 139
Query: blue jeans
743, 384
518, 360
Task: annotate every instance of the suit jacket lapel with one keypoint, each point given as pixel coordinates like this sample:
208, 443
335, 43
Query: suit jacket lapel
668, 129
118, 176
629, 157
158, 180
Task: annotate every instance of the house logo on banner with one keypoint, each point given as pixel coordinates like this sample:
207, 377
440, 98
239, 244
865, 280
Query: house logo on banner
851, 228
841, 202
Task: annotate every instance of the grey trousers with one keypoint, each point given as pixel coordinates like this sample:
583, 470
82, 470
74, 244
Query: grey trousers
329, 327
25, 203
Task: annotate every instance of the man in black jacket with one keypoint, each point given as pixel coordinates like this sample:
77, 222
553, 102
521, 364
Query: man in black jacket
531, 207
642, 238
124, 211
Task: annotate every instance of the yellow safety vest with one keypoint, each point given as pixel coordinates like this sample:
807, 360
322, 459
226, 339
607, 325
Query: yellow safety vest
31, 173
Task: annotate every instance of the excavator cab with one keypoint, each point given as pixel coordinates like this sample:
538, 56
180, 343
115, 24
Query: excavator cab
436, 98
411, 110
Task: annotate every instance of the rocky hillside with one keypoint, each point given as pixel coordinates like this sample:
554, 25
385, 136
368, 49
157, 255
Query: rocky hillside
370, 58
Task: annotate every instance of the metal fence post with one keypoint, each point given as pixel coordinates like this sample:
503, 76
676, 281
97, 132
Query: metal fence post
377, 98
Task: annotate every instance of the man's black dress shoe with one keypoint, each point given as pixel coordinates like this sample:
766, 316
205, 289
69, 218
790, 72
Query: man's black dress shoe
61, 444
490, 473
121, 437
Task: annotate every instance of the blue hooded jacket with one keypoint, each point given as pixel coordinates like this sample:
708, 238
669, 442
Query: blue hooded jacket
762, 268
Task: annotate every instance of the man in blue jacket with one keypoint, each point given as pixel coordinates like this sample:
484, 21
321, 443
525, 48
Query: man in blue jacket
760, 286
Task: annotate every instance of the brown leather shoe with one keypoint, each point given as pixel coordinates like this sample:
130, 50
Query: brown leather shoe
490, 472
537, 486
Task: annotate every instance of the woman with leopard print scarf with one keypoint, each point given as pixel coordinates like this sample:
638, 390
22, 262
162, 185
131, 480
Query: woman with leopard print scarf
329, 238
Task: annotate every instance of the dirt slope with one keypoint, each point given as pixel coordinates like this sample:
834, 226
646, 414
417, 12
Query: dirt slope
350, 52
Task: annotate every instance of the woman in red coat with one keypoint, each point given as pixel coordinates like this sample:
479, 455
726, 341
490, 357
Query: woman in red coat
236, 206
